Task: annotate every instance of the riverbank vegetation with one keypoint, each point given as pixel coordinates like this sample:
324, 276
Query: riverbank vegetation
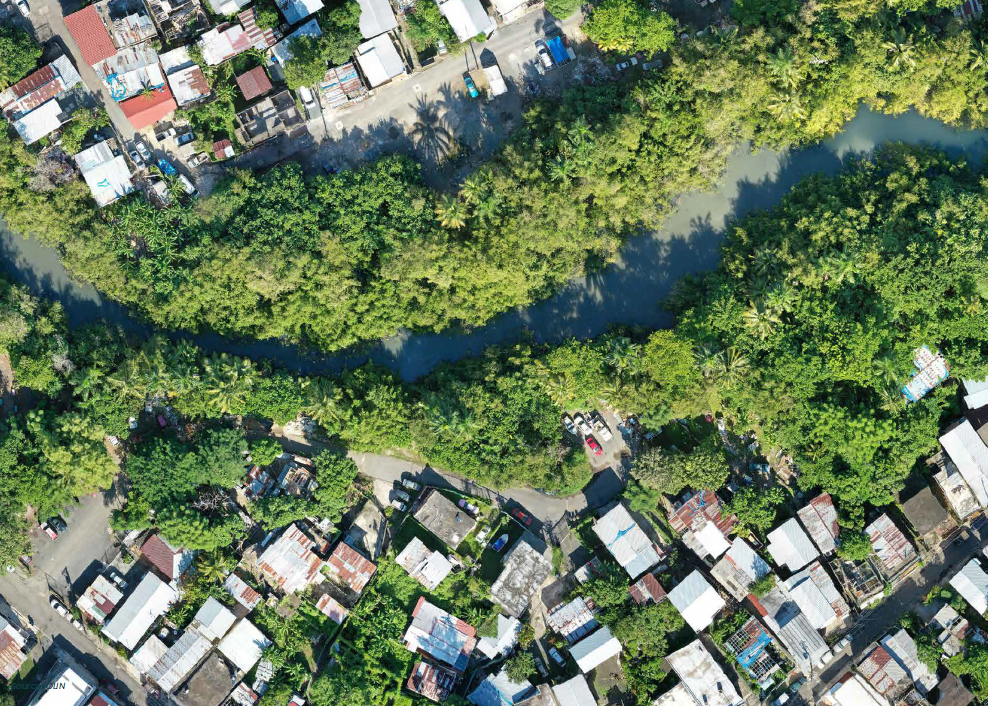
805, 333
337, 260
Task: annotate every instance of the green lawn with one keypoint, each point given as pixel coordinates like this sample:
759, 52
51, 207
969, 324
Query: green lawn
491, 561
410, 529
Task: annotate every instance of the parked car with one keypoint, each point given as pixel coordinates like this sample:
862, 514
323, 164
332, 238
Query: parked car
482, 535
499, 543
649, 65
582, 423
594, 446
541, 667
842, 643
402, 495
52, 534
601, 426
468, 506
58, 524
471, 88
308, 101
77, 625
522, 517
114, 441
143, 151
57, 605
23, 8
398, 505
544, 57
135, 157
568, 423
556, 657
189, 187
411, 485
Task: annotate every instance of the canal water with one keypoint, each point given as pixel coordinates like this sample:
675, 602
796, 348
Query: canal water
624, 293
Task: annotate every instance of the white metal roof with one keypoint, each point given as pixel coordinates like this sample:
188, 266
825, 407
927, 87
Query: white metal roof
147, 603
297, 10
379, 60
703, 677
574, 692
745, 558
970, 455
175, 59
789, 545
856, 692
148, 654
376, 17
696, 600
227, 7
467, 18
977, 393
901, 646
505, 7
499, 690
428, 568
594, 649
626, 541
39, 122
713, 540
243, 645
65, 685
812, 602
972, 583
214, 619
801, 640
508, 630
678, 695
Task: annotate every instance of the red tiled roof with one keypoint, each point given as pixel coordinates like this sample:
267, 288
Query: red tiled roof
254, 83
11, 657
219, 148
155, 550
142, 112
351, 566
89, 32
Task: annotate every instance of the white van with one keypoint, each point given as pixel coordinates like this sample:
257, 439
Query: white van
190, 188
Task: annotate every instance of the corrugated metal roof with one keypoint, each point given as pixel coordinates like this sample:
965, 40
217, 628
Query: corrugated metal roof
500, 690
508, 631
180, 659
429, 568
147, 603
243, 645
11, 656
87, 29
703, 677
41, 121
891, 546
332, 608
289, 562
819, 517
696, 510
214, 619
970, 455
811, 602
574, 692
148, 654
430, 681
443, 637
351, 567
572, 620
972, 583
242, 593
525, 570
99, 600
789, 546
881, 671
647, 590
784, 618
594, 649
956, 491
903, 650
696, 600
626, 541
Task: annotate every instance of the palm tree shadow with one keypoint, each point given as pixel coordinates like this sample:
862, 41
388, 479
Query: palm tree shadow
431, 132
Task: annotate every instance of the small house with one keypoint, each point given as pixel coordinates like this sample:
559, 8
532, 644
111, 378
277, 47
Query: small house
595, 649
895, 553
819, 517
626, 541
525, 570
436, 634
429, 568
443, 518
739, 569
699, 672
696, 600
790, 547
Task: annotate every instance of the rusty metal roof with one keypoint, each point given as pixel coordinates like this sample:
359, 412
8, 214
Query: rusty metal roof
819, 517
891, 546
882, 671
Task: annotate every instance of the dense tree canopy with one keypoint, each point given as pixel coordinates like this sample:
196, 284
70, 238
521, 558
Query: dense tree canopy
629, 26
19, 54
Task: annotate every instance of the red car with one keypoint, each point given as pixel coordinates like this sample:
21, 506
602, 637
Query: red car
594, 446
52, 534
524, 518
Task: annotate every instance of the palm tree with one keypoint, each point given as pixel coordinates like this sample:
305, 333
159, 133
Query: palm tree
579, 131
891, 399
561, 170
296, 673
731, 365
979, 56
211, 566
786, 107
148, 91
901, 50
324, 403
451, 212
624, 356
760, 321
782, 66
471, 189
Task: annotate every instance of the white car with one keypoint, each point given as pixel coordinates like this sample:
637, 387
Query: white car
77, 625
545, 58
411, 485
568, 423
842, 643
402, 495
308, 101
604, 433
582, 423
22, 6
189, 187
59, 608
399, 505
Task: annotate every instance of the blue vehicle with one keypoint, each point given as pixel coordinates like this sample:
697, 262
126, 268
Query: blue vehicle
470, 86
499, 543
166, 167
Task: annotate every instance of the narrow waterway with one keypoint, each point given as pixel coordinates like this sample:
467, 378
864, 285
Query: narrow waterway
624, 293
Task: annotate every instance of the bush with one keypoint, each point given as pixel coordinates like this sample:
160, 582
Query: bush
561, 9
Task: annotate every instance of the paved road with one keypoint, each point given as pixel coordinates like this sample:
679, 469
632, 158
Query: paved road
873, 624
51, 13
30, 598
546, 508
